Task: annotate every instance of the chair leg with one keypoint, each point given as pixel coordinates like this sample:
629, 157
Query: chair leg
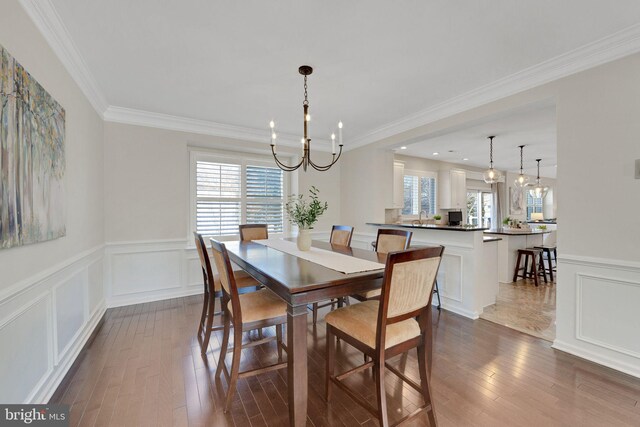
209, 325
437, 292
534, 270
203, 316
346, 301
235, 367
279, 341
315, 312
260, 335
426, 383
330, 364
515, 273
544, 270
526, 272
378, 369
224, 345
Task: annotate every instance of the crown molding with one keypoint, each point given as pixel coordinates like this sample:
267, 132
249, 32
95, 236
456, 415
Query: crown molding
607, 49
132, 116
47, 20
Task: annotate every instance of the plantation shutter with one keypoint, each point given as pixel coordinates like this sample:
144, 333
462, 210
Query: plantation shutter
218, 198
264, 197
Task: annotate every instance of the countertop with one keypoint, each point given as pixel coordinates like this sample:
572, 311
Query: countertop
516, 232
491, 239
430, 227
544, 221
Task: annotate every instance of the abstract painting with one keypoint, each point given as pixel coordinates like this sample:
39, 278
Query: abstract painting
32, 158
516, 202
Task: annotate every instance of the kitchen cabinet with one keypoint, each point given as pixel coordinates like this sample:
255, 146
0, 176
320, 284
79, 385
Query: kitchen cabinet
397, 200
452, 189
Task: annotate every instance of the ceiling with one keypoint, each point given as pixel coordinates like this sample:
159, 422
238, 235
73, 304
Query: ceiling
375, 62
534, 127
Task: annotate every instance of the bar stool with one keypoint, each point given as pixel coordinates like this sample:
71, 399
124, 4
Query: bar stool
546, 250
533, 273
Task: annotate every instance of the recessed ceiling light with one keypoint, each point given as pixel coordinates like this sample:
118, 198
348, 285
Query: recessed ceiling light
436, 153
403, 148
465, 159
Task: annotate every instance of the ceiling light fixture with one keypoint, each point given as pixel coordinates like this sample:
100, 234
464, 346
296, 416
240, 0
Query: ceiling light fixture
306, 161
491, 176
403, 148
465, 159
539, 190
436, 153
522, 180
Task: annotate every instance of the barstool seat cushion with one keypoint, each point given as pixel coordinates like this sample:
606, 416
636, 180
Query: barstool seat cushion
360, 322
243, 280
375, 293
260, 305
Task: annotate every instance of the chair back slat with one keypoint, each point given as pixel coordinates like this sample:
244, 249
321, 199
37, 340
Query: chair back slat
341, 235
205, 263
227, 278
392, 240
250, 232
412, 285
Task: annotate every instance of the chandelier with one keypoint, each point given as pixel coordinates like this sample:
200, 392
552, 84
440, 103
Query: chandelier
522, 180
491, 176
538, 191
306, 161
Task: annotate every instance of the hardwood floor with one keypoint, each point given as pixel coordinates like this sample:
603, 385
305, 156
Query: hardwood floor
144, 368
526, 308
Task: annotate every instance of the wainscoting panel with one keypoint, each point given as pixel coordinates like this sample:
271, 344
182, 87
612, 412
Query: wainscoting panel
147, 271
71, 308
597, 316
45, 320
27, 359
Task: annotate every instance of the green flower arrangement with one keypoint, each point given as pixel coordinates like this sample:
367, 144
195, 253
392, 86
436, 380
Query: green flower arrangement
305, 213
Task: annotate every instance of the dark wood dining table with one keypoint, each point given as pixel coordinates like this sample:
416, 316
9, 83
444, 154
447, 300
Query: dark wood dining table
300, 282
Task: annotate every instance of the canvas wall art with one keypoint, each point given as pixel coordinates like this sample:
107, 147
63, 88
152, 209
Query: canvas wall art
516, 202
32, 158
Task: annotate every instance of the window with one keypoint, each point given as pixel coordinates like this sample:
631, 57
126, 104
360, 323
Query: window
419, 193
534, 204
232, 191
479, 205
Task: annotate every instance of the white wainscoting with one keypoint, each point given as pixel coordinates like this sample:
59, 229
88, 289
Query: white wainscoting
598, 302
46, 320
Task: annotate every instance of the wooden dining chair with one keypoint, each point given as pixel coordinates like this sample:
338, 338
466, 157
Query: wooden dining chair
341, 236
212, 290
385, 328
253, 232
387, 241
245, 312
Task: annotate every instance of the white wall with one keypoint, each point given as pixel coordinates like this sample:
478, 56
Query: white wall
598, 288
150, 255
51, 293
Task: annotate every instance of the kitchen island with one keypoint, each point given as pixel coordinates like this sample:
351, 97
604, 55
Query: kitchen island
512, 240
468, 275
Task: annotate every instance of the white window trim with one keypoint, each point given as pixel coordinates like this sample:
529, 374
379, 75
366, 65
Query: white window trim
230, 157
419, 174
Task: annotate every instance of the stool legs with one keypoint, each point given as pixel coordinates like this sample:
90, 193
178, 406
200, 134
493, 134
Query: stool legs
515, 273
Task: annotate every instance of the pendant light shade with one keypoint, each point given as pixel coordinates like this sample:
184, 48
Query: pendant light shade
522, 180
538, 191
491, 176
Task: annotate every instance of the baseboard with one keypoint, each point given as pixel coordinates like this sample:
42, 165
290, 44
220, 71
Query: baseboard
461, 311
627, 368
124, 300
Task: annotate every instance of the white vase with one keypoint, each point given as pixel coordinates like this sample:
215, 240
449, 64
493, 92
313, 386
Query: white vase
304, 239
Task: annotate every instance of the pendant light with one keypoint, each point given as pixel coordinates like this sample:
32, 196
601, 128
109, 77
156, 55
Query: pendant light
538, 191
522, 180
491, 176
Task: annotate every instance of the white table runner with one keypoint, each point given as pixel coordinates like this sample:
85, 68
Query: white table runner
333, 260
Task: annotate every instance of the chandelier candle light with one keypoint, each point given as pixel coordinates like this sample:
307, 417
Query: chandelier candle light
491, 176
522, 180
306, 161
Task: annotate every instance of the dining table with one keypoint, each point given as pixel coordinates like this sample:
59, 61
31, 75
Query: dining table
300, 282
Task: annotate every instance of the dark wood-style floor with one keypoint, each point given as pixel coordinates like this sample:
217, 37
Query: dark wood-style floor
144, 368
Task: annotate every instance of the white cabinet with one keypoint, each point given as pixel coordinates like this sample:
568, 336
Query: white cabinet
397, 200
452, 189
